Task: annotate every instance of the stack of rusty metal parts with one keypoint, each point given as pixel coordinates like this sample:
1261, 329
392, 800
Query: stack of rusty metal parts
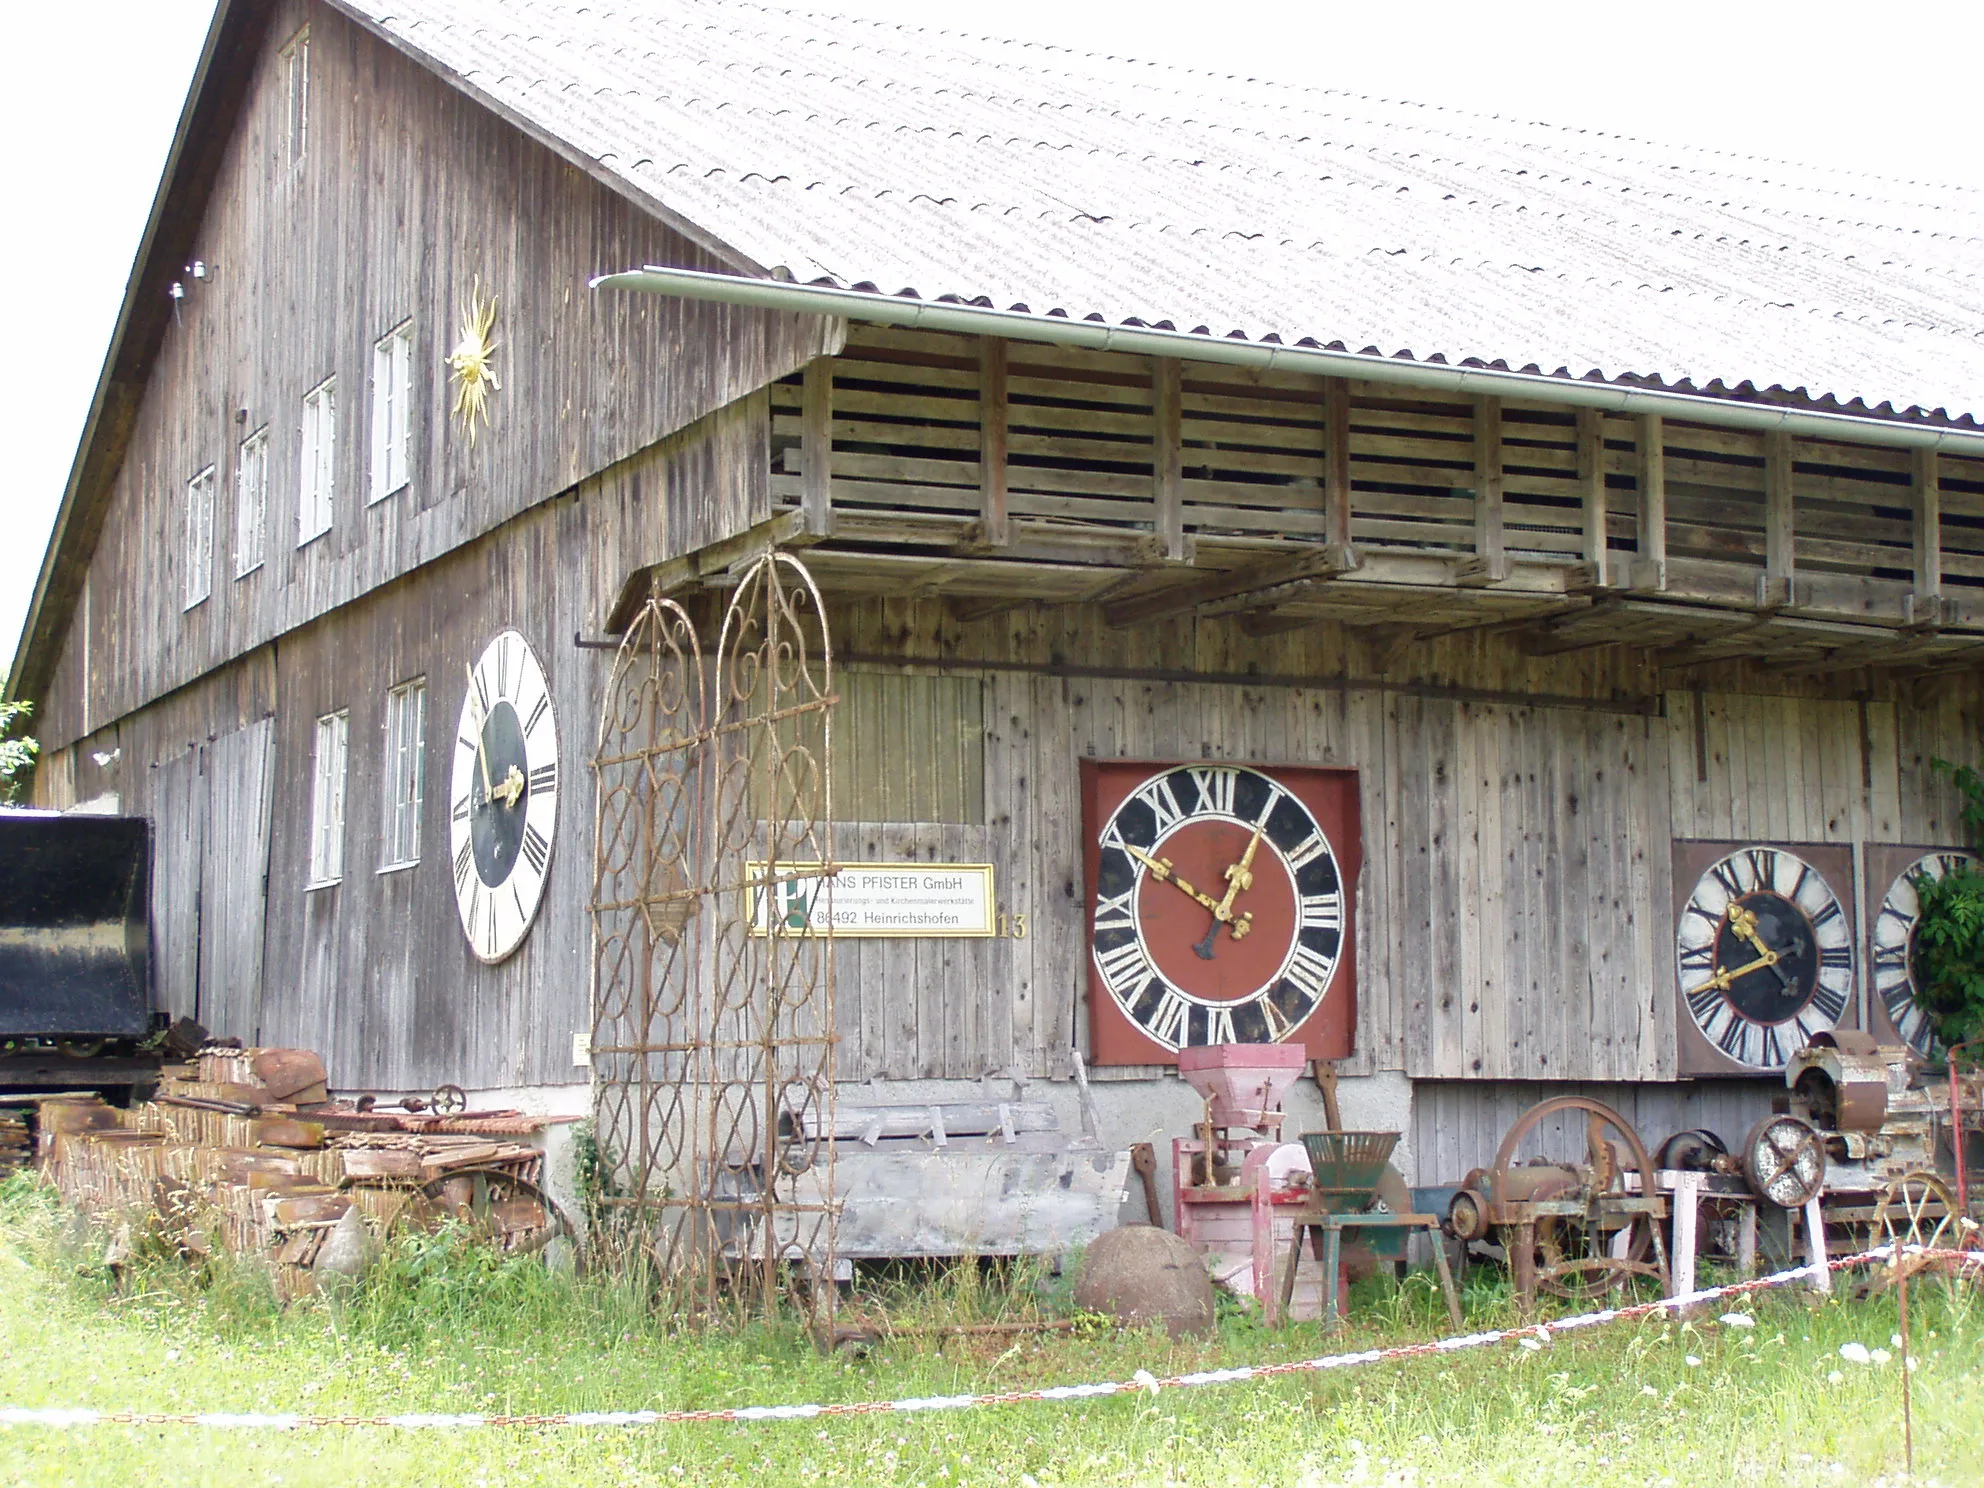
16, 1148
244, 1151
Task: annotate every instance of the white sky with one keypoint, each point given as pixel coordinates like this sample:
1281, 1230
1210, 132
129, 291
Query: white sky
88, 106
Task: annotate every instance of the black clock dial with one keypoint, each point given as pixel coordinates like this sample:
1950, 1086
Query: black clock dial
1773, 993
1765, 956
496, 826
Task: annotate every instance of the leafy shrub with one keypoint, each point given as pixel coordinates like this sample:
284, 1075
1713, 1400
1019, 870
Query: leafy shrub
16, 755
1947, 962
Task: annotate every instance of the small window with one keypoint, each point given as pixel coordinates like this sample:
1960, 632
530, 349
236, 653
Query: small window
295, 128
327, 800
392, 370
199, 537
251, 503
320, 445
406, 771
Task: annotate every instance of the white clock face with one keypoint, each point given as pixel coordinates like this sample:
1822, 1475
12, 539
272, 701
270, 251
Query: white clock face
1894, 946
1765, 956
503, 804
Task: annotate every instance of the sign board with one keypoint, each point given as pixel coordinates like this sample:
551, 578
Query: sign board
876, 900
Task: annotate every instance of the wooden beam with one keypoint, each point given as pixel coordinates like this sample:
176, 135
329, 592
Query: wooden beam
1168, 456
674, 575
995, 527
1649, 570
1493, 624
1591, 483
1336, 464
1259, 624
1490, 563
1925, 606
816, 448
1316, 562
1780, 559
965, 611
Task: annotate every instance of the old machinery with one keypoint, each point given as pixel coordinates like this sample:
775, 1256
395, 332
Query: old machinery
1228, 1178
1869, 1132
1575, 1226
1875, 1113
1784, 1159
1349, 1169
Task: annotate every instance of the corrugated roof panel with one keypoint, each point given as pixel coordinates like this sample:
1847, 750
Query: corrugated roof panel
921, 162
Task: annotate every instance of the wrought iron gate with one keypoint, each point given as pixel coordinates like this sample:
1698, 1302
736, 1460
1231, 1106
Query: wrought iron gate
713, 995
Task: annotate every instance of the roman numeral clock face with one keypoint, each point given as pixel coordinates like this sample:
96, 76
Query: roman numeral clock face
503, 807
1219, 908
1894, 947
1764, 949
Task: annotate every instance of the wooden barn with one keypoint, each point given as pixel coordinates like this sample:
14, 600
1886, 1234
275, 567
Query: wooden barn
1299, 566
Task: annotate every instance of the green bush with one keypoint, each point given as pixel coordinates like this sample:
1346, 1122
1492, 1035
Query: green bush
1947, 965
17, 756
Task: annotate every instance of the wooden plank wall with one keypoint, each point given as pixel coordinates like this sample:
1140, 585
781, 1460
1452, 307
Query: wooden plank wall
408, 196
239, 770
1515, 907
375, 973
1476, 815
1517, 810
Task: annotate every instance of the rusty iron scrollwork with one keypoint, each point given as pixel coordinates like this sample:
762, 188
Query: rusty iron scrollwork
713, 997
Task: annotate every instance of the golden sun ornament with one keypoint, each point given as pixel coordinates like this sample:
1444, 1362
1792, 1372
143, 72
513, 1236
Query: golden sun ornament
473, 361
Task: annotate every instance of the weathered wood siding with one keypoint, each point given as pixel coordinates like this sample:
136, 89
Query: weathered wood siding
375, 972
409, 195
1519, 813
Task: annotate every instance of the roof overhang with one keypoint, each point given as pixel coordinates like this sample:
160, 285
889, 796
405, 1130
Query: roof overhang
1096, 335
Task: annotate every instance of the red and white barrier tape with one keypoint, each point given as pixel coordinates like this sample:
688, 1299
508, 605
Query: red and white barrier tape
1143, 1381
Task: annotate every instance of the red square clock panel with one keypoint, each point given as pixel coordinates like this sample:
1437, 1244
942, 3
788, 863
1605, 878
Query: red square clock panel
1221, 907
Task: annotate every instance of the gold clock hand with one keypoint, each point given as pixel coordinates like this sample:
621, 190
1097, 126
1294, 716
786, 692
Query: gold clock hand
1160, 868
1240, 875
511, 789
482, 758
1744, 923
1721, 980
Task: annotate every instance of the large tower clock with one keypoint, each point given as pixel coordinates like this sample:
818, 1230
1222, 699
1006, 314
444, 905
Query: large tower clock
1763, 952
1220, 907
1892, 872
503, 805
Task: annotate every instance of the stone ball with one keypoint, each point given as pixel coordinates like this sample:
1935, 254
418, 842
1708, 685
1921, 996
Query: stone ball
1140, 1274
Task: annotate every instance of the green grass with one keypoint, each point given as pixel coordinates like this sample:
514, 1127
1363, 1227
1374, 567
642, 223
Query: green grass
439, 1328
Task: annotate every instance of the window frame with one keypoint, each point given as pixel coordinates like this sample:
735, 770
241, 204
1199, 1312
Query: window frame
401, 808
330, 769
251, 544
294, 57
392, 412
198, 587
317, 462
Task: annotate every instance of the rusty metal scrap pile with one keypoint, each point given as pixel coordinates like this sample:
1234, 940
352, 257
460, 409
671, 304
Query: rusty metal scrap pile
242, 1151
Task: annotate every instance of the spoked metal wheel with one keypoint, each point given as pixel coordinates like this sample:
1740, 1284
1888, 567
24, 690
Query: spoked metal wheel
510, 1213
1603, 1249
1785, 1160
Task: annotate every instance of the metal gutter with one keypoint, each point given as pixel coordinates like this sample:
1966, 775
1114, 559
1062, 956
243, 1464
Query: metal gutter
978, 320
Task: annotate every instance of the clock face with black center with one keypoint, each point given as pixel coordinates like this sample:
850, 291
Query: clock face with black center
1893, 945
1219, 906
1764, 950
503, 808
